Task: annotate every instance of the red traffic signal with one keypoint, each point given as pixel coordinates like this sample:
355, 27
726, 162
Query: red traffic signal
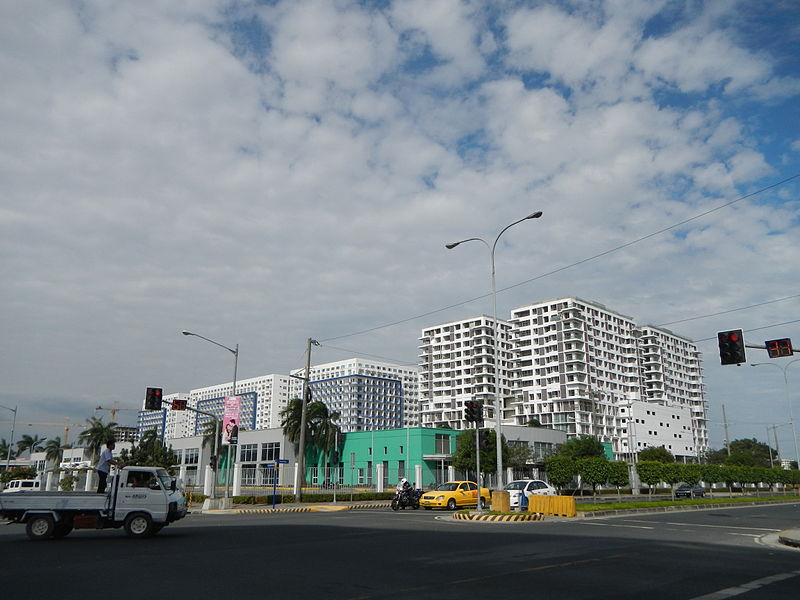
779, 348
152, 399
473, 411
731, 347
179, 404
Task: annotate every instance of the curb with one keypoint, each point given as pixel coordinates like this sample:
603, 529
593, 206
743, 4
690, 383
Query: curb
498, 518
585, 514
298, 509
790, 537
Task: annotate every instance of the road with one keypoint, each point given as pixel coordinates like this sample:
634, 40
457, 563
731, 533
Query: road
379, 554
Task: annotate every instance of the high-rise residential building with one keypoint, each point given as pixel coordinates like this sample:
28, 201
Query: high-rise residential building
585, 369
457, 363
368, 395
570, 365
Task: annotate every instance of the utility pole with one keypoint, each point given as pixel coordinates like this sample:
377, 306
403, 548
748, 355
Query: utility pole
301, 454
727, 439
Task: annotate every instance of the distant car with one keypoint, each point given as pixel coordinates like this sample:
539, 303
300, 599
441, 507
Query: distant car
22, 485
686, 490
454, 494
529, 487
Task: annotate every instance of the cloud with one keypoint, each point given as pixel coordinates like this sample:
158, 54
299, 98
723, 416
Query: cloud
262, 173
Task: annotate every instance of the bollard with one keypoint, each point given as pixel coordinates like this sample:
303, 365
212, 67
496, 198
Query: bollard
501, 501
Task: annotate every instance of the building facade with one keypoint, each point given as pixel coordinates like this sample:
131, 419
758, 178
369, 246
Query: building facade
457, 364
368, 395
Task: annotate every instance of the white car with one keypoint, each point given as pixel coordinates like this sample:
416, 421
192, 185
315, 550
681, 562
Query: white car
22, 485
530, 487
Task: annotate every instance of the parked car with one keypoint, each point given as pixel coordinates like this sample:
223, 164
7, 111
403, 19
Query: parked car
529, 487
454, 494
686, 490
22, 485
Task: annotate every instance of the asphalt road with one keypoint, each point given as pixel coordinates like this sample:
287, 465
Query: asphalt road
379, 554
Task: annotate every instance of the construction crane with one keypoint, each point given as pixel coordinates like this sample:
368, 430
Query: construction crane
66, 426
115, 410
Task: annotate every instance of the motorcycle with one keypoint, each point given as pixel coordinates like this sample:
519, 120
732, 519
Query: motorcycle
409, 497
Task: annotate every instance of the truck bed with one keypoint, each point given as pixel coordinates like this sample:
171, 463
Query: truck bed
78, 501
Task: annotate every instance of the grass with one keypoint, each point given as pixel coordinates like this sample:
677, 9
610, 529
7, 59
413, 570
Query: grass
591, 506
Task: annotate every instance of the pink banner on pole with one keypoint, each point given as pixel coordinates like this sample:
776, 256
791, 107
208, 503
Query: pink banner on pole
230, 420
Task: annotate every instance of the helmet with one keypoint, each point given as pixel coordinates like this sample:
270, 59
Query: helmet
404, 480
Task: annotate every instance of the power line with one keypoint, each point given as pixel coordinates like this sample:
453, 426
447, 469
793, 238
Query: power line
755, 329
564, 268
376, 356
724, 312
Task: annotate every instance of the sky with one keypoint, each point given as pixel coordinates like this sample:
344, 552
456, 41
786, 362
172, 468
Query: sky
261, 173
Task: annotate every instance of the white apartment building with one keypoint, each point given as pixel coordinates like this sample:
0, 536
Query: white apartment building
585, 369
457, 364
368, 395
574, 366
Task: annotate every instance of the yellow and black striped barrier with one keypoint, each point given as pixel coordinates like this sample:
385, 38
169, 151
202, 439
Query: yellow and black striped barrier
498, 518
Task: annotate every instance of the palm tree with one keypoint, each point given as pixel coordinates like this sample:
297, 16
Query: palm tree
28, 443
209, 428
53, 450
6, 451
321, 428
97, 435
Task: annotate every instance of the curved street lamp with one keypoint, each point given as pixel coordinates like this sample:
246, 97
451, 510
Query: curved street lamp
235, 353
497, 399
784, 368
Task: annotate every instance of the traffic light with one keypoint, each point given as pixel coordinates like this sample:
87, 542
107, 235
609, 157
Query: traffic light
473, 411
731, 347
483, 439
779, 348
308, 394
179, 404
152, 400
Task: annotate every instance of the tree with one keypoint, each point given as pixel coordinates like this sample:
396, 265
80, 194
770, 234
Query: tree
27, 443
53, 450
650, 473
582, 446
657, 454
321, 428
209, 429
560, 470
17, 473
464, 457
758, 453
150, 452
741, 459
517, 455
6, 451
97, 435
533, 422
618, 475
593, 471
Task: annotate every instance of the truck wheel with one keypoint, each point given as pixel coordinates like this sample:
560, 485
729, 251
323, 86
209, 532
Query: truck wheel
139, 525
40, 527
62, 530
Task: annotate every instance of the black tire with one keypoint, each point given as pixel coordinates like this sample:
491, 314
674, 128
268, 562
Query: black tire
62, 530
40, 527
451, 504
139, 525
483, 503
415, 505
395, 504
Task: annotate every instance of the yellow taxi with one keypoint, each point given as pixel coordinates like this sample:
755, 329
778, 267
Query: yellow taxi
454, 494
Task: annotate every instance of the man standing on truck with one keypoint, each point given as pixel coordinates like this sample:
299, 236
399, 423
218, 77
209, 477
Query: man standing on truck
104, 465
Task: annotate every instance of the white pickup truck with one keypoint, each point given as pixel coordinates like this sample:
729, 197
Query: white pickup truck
141, 499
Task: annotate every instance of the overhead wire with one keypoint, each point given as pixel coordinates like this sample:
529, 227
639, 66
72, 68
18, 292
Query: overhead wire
569, 266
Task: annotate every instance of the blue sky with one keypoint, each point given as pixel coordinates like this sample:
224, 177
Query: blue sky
264, 172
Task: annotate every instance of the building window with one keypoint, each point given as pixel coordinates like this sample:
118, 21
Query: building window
191, 456
270, 451
248, 452
442, 443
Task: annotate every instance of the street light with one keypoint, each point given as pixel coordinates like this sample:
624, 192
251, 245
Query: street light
497, 408
11, 442
788, 399
216, 421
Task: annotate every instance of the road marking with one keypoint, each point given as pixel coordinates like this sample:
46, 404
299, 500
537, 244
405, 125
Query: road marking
618, 525
747, 587
701, 525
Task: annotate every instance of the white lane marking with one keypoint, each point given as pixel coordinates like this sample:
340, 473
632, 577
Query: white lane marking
747, 587
701, 525
618, 525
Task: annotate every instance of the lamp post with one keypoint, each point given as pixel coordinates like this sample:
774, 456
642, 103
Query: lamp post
235, 353
13, 427
788, 399
497, 400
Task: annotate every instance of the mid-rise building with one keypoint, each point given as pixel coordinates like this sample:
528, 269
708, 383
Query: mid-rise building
571, 365
457, 364
368, 395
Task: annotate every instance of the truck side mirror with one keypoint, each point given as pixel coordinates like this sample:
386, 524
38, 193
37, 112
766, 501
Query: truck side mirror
173, 486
